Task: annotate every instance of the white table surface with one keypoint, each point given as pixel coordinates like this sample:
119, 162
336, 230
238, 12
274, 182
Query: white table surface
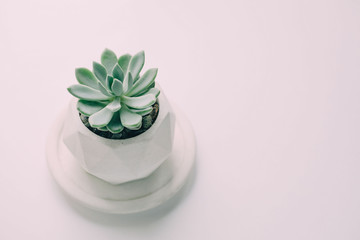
272, 89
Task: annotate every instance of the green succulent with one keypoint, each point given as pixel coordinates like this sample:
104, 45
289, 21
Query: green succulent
115, 96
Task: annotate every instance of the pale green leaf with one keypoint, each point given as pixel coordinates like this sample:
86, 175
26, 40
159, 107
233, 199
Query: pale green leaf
136, 64
143, 111
117, 87
153, 91
145, 90
128, 82
104, 129
86, 77
115, 105
101, 118
100, 72
139, 102
124, 62
108, 59
88, 108
118, 73
137, 78
129, 119
86, 93
144, 82
103, 90
152, 85
115, 125
109, 82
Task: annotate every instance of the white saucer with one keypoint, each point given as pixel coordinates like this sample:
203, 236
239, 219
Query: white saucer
131, 197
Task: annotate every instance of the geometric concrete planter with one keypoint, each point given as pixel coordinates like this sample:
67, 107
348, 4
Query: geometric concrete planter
120, 176
118, 161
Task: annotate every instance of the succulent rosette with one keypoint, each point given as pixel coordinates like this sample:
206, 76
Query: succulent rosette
114, 95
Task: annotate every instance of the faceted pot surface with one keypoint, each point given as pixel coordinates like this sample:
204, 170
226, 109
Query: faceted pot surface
121, 160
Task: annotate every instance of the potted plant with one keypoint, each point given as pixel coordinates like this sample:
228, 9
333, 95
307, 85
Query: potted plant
120, 130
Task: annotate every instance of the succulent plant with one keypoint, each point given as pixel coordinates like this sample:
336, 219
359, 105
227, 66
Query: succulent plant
115, 96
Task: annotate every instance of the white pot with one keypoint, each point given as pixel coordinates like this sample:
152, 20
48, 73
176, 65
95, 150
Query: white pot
121, 160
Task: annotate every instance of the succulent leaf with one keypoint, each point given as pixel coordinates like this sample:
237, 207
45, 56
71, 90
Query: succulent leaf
100, 72
109, 81
128, 82
103, 90
143, 83
136, 64
142, 112
108, 59
118, 73
88, 108
124, 62
86, 77
129, 119
152, 85
101, 118
153, 91
145, 90
115, 96
139, 102
86, 93
115, 105
117, 87
115, 125
104, 129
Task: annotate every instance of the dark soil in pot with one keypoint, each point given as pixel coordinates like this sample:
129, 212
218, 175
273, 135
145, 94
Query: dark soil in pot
147, 122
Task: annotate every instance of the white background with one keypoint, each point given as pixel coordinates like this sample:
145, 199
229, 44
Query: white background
272, 89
